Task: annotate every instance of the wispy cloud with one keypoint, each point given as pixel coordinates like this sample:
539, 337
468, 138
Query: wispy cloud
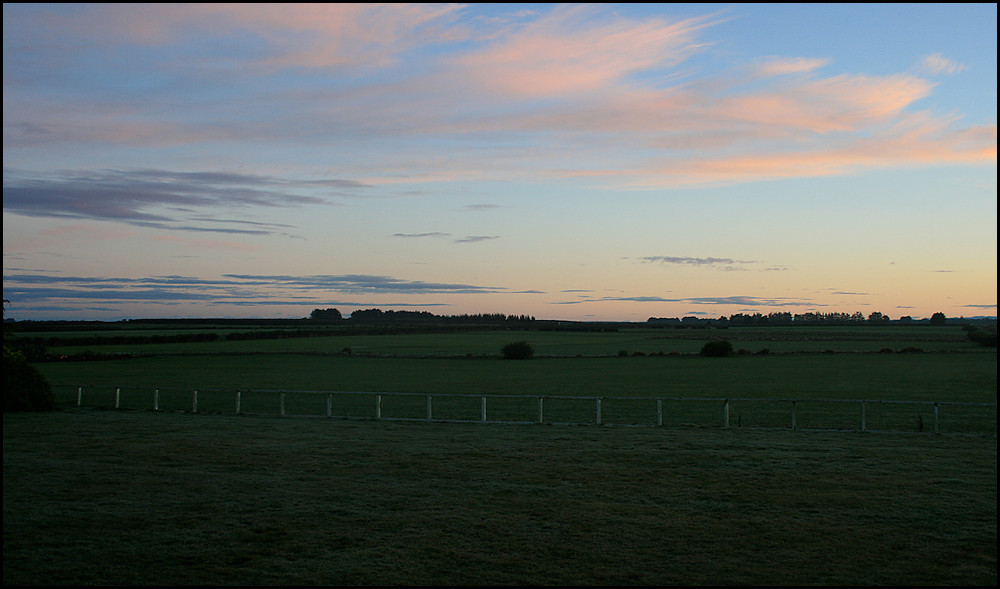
476, 238
38, 291
784, 66
161, 198
939, 64
421, 235
695, 261
737, 300
722, 264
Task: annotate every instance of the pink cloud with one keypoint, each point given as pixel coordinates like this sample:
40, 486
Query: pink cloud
797, 65
924, 144
300, 35
839, 103
568, 52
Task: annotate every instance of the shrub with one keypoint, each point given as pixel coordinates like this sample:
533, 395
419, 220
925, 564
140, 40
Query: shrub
518, 351
984, 336
24, 387
717, 349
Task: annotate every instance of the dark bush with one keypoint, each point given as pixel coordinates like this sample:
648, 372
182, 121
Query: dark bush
518, 351
984, 336
717, 349
24, 387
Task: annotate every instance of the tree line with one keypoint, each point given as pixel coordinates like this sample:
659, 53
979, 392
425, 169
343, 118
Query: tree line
378, 316
784, 318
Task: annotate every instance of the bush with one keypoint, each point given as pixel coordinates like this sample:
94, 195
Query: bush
518, 351
717, 349
984, 336
24, 387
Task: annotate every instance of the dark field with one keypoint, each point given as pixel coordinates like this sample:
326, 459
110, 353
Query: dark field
134, 496
138, 497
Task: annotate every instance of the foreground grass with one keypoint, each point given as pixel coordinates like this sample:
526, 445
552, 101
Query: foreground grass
967, 377
137, 497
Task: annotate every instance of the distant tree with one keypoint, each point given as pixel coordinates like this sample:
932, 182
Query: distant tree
877, 317
717, 349
518, 351
325, 315
937, 318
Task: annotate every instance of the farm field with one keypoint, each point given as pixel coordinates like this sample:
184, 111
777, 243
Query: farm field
177, 496
153, 498
648, 341
870, 365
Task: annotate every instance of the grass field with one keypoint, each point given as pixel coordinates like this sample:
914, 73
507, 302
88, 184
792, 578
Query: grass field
94, 496
138, 497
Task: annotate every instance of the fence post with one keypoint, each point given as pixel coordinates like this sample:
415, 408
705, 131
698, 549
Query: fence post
864, 425
659, 412
156, 400
598, 411
281, 403
329, 405
378, 406
428, 407
936, 430
484, 408
239, 394
725, 414
194, 402
793, 414
541, 413
79, 396
118, 393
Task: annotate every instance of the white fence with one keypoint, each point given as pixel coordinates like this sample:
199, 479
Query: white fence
839, 414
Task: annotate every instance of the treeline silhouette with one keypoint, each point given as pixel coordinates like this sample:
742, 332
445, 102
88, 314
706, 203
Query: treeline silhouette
370, 316
779, 318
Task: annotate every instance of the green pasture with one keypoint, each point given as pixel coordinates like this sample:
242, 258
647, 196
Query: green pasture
631, 341
97, 497
967, 377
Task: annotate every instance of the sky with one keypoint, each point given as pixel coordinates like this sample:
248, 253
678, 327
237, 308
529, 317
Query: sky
595, 162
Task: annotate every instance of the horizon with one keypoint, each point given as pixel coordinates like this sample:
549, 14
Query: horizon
593, 163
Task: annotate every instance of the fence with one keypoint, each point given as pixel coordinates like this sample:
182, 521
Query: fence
863, 415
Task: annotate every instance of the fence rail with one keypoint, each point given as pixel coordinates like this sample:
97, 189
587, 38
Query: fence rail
839, 414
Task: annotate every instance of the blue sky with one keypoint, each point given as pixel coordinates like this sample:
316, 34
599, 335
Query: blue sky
580, 162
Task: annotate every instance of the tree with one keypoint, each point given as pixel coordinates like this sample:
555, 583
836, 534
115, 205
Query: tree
877, 317
937, 318
325, 315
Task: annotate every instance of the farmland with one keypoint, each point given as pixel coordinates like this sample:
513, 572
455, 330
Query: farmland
174, 497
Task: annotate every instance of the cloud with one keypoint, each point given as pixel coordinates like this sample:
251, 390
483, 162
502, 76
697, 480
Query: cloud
739, 300
476, 238
577, 49
795, 65
721, 264
361, 283
939, 64
574, 92
421, 235
160, 198
34, 291
694, 261
284, 35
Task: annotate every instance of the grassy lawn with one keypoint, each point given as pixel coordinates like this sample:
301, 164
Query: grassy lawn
137, 497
